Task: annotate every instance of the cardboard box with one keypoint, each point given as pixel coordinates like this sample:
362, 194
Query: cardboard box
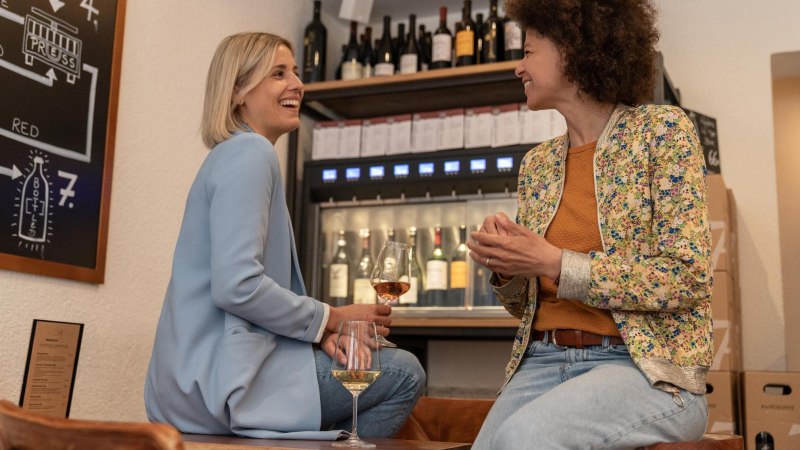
399, 134
478, 127
506, 125
772, 409
349, 138
723, 250
325, 140
451, 129
425, 131
722, 395
374, 136
727, 324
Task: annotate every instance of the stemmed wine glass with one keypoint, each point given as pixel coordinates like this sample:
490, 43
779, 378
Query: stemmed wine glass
390, 276
356, 365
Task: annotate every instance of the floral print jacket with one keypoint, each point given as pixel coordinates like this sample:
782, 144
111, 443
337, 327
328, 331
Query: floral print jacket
654, 272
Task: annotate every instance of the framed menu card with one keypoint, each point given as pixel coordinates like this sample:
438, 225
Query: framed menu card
51, 367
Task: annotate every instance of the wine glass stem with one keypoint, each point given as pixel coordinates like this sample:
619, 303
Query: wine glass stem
354, 435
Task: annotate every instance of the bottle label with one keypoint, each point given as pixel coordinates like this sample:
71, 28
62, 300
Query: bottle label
513, 36
410, 297
437, 275
465, 43
366, 71
351, 70
458, 274
338, 281
363, 294
442, 48
408, 63
384, 69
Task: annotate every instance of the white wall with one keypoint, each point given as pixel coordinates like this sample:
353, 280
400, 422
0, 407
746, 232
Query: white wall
786, 102
167, 49
717, 52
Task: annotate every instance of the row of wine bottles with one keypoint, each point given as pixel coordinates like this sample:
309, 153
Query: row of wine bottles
443, 282
492, 40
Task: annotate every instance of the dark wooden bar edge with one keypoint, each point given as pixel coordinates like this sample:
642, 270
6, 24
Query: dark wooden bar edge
215, 442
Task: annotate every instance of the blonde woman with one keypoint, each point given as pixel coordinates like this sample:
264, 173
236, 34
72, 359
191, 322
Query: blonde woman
235, 350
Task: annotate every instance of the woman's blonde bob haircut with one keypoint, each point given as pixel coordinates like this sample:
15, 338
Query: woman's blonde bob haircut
239, 64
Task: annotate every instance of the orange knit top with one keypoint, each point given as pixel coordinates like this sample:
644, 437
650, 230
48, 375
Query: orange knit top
574, 227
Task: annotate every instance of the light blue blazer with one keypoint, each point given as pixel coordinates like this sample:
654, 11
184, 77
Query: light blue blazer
232, 353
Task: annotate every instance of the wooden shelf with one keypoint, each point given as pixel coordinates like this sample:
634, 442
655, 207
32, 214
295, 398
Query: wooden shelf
454, 322
458, 87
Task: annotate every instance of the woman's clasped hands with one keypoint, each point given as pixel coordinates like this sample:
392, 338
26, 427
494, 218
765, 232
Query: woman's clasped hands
510, 249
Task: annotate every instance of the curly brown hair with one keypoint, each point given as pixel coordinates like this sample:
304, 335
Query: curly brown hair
607, 46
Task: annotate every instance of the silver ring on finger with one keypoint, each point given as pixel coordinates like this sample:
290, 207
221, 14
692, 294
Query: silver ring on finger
487, 261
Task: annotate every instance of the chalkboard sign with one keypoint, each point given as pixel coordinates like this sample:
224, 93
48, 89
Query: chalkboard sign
59, 76
706, 128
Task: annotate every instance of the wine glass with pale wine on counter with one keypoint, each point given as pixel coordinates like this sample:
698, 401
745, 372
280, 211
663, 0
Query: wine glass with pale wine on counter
390, 276
356, 364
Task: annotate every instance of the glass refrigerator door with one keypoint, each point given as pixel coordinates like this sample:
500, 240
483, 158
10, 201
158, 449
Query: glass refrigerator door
454, 287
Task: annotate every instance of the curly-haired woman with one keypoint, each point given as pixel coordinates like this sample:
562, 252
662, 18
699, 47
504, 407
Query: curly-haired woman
608, 263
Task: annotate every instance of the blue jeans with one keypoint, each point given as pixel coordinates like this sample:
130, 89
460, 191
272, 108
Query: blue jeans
591, 398
383, 407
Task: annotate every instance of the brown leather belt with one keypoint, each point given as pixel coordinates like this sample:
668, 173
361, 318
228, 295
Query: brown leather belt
574, 338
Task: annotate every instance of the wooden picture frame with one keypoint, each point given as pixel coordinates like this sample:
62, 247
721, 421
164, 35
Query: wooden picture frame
60, 63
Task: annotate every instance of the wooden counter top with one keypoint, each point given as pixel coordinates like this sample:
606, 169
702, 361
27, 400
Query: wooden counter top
209, 442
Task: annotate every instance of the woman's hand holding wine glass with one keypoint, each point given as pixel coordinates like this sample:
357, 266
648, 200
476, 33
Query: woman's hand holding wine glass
391, 275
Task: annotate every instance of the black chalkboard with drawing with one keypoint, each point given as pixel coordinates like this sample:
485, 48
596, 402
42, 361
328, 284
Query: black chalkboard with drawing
59, 76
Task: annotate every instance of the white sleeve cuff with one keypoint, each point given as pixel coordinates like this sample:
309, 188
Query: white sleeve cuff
326, 313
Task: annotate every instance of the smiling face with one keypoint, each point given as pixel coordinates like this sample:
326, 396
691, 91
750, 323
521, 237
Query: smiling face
542, 73
272, 108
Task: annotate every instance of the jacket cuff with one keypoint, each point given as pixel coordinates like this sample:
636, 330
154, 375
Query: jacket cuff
575, 275
326, 313
513, 288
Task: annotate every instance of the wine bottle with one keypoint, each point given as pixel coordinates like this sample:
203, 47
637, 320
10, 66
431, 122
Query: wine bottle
424, 41
351, 65
458, 270
338, 278
465, 37
363, 293
411, 298
315, 41
436, 271
366, 53
513, 39
442, 51
410, 58
385, 63
400, 43
338, 74
478, 38
492, 36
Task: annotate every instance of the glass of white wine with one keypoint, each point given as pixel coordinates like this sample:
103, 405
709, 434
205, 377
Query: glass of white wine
390, 276
357, 364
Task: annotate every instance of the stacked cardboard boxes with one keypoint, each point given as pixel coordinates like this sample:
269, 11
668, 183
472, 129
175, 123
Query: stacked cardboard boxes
722, 382
772, 410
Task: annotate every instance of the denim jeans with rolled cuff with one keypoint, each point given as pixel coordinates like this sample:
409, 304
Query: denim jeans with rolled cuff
590, 398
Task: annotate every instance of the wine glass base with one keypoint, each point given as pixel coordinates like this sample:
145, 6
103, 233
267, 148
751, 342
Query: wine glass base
385, 342
353, 442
